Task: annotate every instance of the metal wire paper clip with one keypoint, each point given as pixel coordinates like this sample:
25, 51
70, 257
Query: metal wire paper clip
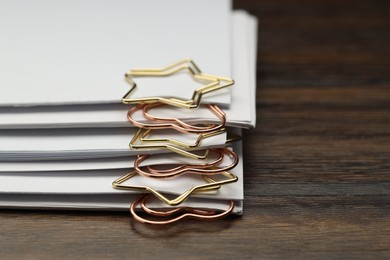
185, 169
174, 123
140, 138
212, 84
170, 214
210, 185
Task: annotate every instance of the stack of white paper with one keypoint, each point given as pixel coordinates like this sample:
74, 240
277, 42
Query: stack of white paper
64, 134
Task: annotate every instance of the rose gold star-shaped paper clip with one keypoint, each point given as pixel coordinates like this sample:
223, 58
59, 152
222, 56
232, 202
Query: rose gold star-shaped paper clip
155, 122
187, 168
169, 216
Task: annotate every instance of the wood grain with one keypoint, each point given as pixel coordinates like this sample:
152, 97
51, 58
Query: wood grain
317, 166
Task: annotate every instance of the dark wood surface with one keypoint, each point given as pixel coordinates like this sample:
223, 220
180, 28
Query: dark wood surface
317, 166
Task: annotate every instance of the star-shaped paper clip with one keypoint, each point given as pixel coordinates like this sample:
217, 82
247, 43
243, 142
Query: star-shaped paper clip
210, 185
155, 122
172, 215
139, 139
212, 83
187, 168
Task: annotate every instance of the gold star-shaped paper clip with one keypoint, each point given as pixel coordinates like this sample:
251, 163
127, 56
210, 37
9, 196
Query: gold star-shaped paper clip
139, 139
212, 83
210, 185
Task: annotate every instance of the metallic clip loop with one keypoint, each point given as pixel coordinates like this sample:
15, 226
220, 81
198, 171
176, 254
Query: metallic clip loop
185, 169
175, 123
213, 83
186, 212
210, 185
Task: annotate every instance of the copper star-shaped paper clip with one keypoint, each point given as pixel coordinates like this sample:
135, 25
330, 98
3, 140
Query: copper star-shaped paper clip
212, 83
187, 168
155, 122
139, 139
210, 185
175, 214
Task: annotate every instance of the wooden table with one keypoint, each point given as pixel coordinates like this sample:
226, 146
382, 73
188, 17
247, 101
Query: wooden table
317, 166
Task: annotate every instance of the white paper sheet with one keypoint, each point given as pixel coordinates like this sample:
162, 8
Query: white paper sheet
73, 52
241, 113
84, 143
127, 162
